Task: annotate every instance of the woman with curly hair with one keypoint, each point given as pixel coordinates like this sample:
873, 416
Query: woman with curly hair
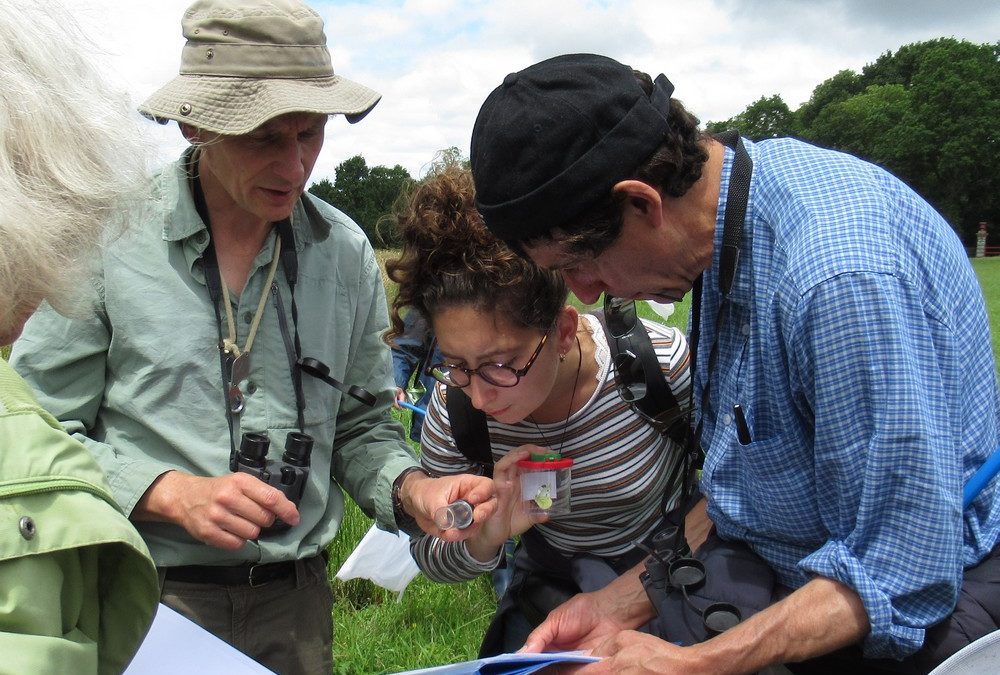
542, 374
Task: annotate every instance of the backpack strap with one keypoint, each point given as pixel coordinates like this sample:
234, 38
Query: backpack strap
638, 374
468, 427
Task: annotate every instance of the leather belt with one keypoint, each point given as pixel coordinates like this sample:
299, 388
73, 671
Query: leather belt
251, 575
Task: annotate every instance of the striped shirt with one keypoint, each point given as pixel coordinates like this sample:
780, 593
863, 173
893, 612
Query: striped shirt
856, 341
620, 464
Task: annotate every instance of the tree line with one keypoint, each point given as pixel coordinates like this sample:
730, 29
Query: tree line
927, 112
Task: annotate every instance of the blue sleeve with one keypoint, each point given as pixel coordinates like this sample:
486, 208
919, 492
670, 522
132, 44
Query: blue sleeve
404, 361
880, 373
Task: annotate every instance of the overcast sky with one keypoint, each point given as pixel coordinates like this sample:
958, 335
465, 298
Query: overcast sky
435, 61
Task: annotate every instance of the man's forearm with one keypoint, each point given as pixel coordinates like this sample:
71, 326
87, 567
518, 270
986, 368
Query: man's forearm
625, 601
159, 502
821, 617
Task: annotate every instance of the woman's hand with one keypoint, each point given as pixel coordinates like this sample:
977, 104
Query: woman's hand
509, 518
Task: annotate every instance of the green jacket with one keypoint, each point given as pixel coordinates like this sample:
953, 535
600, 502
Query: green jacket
140, 384
78, 589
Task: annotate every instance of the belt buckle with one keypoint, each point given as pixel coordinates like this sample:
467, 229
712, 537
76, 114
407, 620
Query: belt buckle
250, 579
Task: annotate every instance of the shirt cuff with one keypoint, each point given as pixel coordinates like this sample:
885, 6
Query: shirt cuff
479, 566
132, 481
887, 639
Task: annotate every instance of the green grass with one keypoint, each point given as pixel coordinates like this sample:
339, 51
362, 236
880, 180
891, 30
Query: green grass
433, 624
988, 271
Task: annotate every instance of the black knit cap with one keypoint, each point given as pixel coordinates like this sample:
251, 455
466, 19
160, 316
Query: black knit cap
555, 138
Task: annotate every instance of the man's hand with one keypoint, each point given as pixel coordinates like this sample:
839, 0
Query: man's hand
225, 511
816, 619
422, 497
639, 654
588, 620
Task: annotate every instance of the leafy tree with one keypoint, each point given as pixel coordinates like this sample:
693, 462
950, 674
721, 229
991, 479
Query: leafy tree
366, 195
767, 117
838, 88
324, 190
386, 187
875, 124
956, 99
926, 112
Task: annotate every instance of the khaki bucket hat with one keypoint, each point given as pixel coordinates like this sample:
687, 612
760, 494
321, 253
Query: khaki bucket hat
247, 62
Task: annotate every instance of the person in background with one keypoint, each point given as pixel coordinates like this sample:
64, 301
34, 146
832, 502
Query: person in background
543, 376
241, 304
845, 385
78, 588
410, 355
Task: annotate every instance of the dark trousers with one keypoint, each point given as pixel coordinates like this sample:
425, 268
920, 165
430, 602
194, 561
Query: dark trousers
285, 625
542, 579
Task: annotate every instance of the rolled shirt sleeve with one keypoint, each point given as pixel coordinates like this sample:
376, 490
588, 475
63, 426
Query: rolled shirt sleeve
888, 456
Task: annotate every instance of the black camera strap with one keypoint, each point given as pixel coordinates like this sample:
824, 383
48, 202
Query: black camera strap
737, 198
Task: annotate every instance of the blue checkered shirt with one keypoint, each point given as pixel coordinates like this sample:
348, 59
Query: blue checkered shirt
857, 342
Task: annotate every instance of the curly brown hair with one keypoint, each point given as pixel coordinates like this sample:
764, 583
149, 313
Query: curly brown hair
449, 258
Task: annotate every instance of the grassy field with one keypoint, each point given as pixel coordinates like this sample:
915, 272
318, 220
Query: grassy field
436, 623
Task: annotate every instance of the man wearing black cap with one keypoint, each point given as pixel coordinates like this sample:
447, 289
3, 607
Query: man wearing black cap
239, 304
845, 383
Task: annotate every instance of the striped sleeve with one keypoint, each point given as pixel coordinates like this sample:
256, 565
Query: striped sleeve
439, 560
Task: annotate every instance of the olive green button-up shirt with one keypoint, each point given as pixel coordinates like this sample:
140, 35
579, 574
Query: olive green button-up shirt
139, 381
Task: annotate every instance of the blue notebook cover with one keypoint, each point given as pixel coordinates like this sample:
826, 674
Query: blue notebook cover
506, 664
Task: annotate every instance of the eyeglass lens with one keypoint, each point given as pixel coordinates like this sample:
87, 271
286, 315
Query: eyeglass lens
620, 315
499, 375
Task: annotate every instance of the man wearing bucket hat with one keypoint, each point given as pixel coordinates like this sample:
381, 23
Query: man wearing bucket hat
242, 304
845, 385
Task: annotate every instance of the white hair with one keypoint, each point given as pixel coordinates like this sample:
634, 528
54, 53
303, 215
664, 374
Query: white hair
71, 157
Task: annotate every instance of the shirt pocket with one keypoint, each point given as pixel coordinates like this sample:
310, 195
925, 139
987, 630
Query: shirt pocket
778, 479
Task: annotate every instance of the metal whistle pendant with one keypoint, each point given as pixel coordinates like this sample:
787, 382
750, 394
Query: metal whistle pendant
237, 370
236, 403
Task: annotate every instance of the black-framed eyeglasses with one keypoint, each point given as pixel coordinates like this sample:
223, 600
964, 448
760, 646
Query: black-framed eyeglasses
497, 374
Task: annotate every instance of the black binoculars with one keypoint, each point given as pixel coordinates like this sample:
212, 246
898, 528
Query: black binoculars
289, 474
671, 568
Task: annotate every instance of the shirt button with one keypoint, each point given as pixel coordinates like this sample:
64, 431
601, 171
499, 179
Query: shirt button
746, 329
247, 317
727, 419
251, 387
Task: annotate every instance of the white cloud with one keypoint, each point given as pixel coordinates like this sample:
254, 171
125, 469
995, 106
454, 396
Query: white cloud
435, 61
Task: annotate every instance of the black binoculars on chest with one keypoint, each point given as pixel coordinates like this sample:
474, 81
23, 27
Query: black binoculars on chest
289, 474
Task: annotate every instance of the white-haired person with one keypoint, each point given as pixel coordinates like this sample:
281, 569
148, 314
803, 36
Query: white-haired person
78, 588
240, 304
